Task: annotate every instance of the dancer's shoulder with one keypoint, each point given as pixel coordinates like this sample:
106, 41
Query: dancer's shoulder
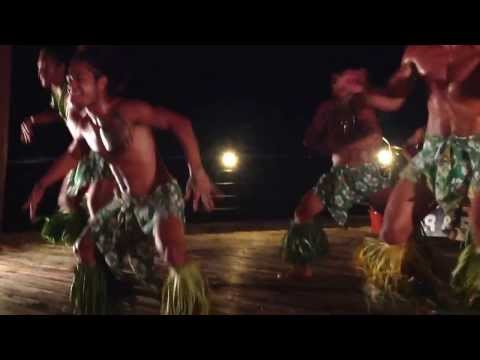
142, 112
414, 56
412, 53
131, 107
420, 53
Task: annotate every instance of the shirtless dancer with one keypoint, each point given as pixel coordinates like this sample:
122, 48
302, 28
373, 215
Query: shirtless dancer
90, 171
446, 172
146, 216
52, 65
347, 129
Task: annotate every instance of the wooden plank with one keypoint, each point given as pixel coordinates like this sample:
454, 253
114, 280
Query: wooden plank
5, 83
241, 268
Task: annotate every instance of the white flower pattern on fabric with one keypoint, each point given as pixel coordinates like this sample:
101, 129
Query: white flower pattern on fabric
114, 229
450, 167
343, 187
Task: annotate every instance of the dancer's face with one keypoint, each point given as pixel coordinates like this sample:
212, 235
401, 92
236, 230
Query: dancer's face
348, 83
339, 88
84, 85
49, 71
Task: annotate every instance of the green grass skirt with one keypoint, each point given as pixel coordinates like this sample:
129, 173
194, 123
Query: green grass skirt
64, 228
303, 243
185, 292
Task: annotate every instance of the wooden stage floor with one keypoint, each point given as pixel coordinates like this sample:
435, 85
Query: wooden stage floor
242, 269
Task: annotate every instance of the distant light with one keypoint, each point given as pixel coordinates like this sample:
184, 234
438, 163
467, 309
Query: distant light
229, 160
385, 157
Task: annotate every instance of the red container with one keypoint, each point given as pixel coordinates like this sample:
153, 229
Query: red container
376, 221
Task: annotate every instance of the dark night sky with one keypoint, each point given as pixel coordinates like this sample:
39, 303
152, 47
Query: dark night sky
260, 99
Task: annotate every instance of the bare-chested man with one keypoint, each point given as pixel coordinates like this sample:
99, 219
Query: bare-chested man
147, 215
446, 171
52, 67
348, 130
